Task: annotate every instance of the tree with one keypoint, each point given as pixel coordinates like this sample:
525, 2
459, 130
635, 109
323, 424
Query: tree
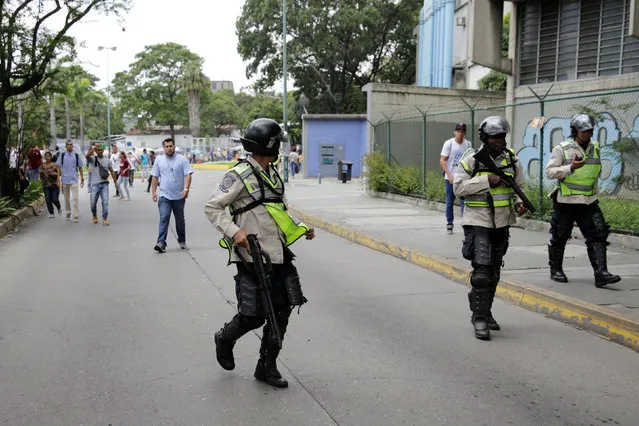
81, 93
194, 82
219, 110
32, 34
152, 86
360, 42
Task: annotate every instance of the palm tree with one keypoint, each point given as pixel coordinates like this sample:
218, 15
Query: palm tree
194, 82
80, 92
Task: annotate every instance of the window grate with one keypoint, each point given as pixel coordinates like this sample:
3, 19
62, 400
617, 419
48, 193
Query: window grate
562, 40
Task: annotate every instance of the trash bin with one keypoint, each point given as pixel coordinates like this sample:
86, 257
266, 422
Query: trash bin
344, 170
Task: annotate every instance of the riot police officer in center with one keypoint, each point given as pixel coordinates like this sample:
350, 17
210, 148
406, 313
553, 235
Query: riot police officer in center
576, 164
254, 193
490, 211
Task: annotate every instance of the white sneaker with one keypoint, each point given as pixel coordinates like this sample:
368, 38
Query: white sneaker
51, 216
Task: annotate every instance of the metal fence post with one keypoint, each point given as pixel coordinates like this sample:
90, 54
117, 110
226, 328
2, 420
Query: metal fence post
541, 147
424, 120
472, 119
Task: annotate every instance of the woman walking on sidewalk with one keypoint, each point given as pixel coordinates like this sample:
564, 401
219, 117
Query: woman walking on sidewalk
123, 180
51, 175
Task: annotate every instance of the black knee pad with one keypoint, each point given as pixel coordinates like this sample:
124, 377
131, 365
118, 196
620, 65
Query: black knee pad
251, 323
481, 277
602, 229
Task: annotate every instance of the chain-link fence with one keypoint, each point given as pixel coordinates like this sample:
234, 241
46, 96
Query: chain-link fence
411, 147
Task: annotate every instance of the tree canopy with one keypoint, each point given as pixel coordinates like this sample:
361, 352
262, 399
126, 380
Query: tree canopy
334, 47
32, 35
152, 88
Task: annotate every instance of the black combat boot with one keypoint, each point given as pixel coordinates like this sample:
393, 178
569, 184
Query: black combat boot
479, 301
225, 340
556, 260
266, 369
599, 262
492, 323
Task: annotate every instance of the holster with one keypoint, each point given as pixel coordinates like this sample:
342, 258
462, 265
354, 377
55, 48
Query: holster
294, 288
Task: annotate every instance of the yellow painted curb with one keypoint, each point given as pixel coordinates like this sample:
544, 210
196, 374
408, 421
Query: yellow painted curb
212, 166
610, 324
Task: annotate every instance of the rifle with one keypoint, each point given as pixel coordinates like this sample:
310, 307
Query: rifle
484, 158
263, 268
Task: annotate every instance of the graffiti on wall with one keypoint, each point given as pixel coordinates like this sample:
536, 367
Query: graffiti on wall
557, 130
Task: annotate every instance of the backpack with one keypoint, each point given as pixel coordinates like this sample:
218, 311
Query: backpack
77, 160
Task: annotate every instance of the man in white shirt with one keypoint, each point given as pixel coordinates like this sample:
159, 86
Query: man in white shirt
452, 151
115, 165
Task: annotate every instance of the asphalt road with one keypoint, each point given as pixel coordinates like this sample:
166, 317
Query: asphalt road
98, 329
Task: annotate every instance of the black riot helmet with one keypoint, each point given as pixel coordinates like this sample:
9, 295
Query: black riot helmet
263, 137
581, 123
493, 126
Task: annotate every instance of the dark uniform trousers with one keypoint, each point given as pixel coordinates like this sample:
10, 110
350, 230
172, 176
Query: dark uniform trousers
251, 312
592, 224
485, 248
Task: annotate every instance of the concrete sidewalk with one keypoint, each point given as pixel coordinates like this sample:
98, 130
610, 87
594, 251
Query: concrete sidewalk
419, 236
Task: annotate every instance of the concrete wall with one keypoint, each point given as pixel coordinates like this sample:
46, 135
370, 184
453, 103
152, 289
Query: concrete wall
345, 129
400, 103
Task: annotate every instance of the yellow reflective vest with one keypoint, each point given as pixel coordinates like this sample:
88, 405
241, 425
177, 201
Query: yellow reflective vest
499, 197
270, 194
584, 179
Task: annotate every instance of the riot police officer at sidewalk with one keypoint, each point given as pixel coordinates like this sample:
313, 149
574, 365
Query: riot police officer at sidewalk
490, 211
576, 164
254, 193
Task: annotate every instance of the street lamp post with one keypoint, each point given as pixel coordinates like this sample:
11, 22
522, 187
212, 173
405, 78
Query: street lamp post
108, 93
287, 145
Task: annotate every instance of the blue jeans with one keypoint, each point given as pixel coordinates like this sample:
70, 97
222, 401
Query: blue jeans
33, 174
450, 203
166, 206
52, 197
100, 190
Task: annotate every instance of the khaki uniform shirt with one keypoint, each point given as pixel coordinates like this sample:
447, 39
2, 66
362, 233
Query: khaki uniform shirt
255, 221
464, 185
558, 169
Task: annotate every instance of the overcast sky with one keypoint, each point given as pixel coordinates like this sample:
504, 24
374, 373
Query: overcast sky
206, 28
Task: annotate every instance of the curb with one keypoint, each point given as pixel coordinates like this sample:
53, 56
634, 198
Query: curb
626, 241
212, 166
605, 322
14, 220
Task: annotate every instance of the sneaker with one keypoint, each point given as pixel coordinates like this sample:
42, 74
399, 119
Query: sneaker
160, 247
183, 246
69, 218
51, 216
59, 212
95, 220
449, 229
105, 222
75, 220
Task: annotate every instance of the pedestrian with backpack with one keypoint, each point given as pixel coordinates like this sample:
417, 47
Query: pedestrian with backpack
71, 164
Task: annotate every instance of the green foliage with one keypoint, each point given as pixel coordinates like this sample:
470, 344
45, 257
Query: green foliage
402, 179
152, 88
360, 42
505, 35
621, 215
6, 207
494, 80
33, 192
34, 35
218, 110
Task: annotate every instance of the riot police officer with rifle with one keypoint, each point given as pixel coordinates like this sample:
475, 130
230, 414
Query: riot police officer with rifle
257, 234
491, 182
576, 164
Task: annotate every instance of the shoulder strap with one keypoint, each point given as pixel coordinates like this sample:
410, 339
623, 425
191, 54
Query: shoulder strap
77, 160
